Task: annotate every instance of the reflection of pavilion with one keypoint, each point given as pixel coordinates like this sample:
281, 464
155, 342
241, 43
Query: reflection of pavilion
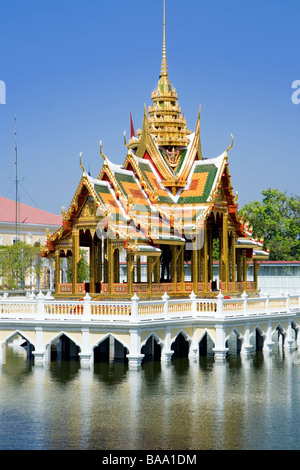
166, 200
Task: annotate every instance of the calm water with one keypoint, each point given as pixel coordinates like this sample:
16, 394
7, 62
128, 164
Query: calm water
249, 403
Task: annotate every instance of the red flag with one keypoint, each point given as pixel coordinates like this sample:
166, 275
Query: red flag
132, 133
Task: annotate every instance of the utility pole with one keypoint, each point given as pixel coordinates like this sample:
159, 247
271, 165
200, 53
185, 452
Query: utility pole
16, 165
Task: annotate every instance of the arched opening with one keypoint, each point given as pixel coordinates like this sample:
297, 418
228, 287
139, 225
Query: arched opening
64, 349
110, 350
234, 343
259, 340
18, 346
180, 346
151, 350
279, 336
206, 346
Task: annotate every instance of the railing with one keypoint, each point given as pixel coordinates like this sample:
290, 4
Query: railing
46, 308
141, 288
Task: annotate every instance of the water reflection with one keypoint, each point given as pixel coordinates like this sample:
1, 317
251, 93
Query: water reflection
245, 403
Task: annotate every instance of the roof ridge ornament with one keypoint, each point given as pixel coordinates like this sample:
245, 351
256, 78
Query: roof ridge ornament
102, 154
231, 145
81, 165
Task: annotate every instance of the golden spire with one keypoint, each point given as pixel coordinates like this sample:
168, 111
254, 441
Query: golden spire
164, 65
167, 124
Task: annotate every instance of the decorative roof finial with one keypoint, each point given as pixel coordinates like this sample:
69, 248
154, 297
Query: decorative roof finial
102, 154
164, 65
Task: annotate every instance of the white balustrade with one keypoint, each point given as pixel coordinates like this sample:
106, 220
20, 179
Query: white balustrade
46, 308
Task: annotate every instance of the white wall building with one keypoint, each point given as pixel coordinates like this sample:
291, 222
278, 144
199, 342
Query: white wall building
30, 228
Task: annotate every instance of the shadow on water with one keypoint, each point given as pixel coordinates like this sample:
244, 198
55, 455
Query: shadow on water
110, 373
17, 366
64, 371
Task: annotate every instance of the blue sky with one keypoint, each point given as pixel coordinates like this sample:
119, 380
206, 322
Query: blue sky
74, 70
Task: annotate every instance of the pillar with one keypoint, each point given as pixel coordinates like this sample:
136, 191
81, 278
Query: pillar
116, 264
289, 341
39, 353
57, 271
135, 357
255, 270
210, 254
156, 270
233, 247
246, 346
174, 266
149, 273
220, 350
110, 266
2, 352
167, 352
245, 270
195, 270
225, 251
98, 263
268, 343
75, 259
130, 268
220, 257
138, 269
199, 261
180, 277
86, 354
194, 347
92, 265
205, 255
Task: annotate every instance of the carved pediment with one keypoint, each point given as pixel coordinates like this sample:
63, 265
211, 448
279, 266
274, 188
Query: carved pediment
88, 210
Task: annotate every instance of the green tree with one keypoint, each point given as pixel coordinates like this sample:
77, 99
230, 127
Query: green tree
18, 261
82, 268
277, 220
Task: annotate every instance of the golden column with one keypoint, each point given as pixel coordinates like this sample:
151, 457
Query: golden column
233, 247
255, 271
205, 256
245, 270
149, 273
225, 273
220, 257
130, 271
200, 257
210, 255
116, 265
92, 265
99, 262
195, 269
138, 269
110, 266
105, 261
57, 271
180, 276
239, 266
174, 267
75, 259
157, 271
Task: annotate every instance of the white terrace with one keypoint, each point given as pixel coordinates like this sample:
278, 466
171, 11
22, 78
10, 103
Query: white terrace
41, 318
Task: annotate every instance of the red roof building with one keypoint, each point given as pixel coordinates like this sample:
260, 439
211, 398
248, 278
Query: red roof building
32, 223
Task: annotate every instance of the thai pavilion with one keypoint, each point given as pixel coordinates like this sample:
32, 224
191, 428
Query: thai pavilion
167, 207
